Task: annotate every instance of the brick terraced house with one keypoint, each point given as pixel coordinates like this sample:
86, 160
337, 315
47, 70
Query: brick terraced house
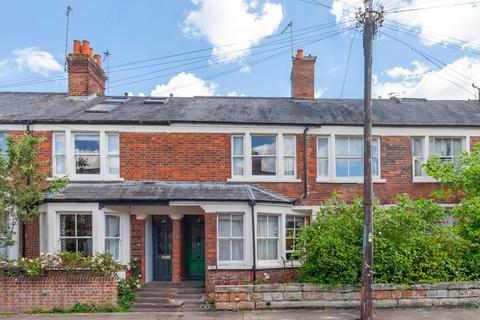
215, 188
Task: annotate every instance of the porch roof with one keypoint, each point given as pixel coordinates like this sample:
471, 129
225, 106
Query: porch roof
163, 193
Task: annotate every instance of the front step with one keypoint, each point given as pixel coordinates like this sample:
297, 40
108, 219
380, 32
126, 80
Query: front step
170, 297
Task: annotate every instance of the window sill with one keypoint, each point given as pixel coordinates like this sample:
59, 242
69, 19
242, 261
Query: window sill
230, 267
424, 180
257, 179
278, 265
349, 181
89, 179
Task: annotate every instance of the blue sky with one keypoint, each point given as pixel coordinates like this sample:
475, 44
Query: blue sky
33, 43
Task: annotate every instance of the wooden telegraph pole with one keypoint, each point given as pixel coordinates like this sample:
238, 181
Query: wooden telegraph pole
371, 20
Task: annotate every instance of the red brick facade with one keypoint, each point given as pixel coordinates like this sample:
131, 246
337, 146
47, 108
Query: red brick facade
55, 290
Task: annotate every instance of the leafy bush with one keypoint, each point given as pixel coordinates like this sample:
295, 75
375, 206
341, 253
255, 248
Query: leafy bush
100, 264
412, 243
126, 287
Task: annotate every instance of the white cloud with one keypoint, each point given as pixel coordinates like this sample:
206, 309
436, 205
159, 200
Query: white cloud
421, 82
319, 92
35, 60
185, 85
242, 22
235, 94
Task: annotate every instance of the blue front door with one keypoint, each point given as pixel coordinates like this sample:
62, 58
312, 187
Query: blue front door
162, 248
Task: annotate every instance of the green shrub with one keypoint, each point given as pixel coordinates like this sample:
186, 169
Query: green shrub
126, 287
412, 243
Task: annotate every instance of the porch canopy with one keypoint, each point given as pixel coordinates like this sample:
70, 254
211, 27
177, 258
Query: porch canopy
163, 193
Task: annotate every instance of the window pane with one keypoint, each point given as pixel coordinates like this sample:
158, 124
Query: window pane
417, 147
69, 245
113, 165
60, 164
113, 143
87, 164
85, 246
262, 249
264, 145
341, 146
112, 246
238, 146
67, 225
374, 167
289, 244
322, 167
87, 143
112, 226
355, 147
262, 230
289, 166
84, 225
457, 147
237, 226
322, 147
289, 145
237, 250
356, 168
290, 221
238, 166
224, 225
223, 250
341, 167
272, 249
272, 226
418, 168
299, 222
60, 143
264, 166
375, 151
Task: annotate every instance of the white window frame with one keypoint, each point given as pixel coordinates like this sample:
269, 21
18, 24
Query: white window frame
60, 237
285, 156
74, 154
332, 170
3, 236
55, 154
427, 155
70, 164
231, 237
111, 155
295, 217
279, 156
329, 161
243, 156
119, 238
4, 153
279, 238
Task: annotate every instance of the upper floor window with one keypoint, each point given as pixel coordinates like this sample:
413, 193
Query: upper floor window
3, 145
447, 149
322, 157
76, 233
86, 155
263, 156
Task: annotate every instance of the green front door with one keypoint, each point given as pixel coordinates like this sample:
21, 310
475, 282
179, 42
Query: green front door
194, 231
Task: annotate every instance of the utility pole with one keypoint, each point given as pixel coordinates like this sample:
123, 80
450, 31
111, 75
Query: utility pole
370, 19
106, 57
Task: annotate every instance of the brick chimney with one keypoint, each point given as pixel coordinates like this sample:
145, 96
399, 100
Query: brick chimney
85, 74
303, 76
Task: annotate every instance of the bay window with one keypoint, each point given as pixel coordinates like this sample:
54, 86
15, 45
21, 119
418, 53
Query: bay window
293, 225
230, 238
76, 232
112, 235
268, 237
264, 155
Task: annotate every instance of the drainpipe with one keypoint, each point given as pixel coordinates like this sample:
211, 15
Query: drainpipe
305, 166
252, 204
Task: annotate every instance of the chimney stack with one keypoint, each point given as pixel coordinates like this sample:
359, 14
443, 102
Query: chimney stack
85, 74
303, 76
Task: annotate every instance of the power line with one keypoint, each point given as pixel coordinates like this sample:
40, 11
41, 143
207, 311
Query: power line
434, 7
348, 63
426, 57
318, 3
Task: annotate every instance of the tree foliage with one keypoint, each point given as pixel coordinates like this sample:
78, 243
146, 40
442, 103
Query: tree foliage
412, 243
23, 185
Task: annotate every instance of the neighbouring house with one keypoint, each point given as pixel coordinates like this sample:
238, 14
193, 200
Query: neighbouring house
215, 188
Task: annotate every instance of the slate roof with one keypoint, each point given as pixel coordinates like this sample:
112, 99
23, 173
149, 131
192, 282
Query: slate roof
18, 107
162, 192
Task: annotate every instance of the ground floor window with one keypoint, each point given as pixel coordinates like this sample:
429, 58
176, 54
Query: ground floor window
230, 238
76, 233
267, 237
293, 225
112, 235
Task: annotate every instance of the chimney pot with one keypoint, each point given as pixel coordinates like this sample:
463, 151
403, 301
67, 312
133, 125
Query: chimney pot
76, 47
85, 47
98, 59
91, 53
300, 54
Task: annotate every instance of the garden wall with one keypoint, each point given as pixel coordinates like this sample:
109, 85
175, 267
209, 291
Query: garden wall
315, 296
19, 294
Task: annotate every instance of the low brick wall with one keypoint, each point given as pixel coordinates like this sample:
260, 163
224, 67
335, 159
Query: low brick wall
20, 294
315, 296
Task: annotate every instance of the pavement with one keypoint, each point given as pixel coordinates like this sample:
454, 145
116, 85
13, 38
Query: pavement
381, 314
